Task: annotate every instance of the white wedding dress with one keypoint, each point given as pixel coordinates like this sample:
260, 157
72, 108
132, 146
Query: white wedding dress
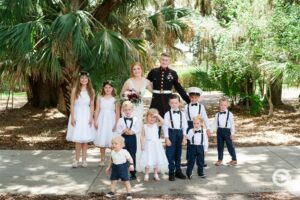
138, 112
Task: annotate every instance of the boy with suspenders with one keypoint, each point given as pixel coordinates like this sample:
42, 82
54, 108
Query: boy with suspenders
224, 125
193, 109
128, 126
198, 147
175, 135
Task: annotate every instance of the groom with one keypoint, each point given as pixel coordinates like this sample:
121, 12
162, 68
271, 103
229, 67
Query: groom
163, 79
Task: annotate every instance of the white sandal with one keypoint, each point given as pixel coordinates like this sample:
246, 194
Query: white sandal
156, 177
146, 177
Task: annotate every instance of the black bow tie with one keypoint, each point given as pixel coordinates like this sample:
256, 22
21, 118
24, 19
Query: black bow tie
128, 118
199, 131
174, 112
222, 112
194, 104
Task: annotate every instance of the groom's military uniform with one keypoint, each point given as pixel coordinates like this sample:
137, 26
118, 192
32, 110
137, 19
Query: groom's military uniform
163, 81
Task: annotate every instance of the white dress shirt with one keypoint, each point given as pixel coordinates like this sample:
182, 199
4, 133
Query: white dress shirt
197, 138
194, 111
120, 157
222, 118
176, 122
121, 125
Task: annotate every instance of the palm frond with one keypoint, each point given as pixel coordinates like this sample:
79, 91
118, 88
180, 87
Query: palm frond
75, 26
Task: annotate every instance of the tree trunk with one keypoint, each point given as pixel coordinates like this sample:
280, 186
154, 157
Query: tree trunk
103, 10
276, 90
42, 93
269, 98
66, 87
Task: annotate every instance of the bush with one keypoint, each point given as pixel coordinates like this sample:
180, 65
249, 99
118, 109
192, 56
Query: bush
196, 77
256, 105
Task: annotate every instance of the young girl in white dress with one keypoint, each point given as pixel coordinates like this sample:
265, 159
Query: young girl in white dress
106, 116
80, 127
153, 154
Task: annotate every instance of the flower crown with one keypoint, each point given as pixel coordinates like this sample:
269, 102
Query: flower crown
83, 73
109, 82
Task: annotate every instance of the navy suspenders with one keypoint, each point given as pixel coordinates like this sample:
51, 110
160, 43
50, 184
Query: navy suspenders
193, 140
188, 107
226, 120
171, 119
130, 124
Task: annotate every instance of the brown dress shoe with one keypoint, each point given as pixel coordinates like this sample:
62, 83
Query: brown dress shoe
219, 163
232, 163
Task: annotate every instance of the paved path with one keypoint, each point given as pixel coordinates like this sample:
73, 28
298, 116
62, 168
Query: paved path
50, 172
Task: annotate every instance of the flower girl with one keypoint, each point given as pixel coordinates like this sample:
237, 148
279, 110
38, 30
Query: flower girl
80, 127
106, 115
153, 154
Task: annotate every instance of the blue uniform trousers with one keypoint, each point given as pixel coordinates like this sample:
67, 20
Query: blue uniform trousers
196, 154
223, 135
173, 152
130, 146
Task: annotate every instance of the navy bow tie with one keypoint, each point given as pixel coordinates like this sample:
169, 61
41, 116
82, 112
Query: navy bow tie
128, 118
199, 131
194, 104
174, 112
222, 112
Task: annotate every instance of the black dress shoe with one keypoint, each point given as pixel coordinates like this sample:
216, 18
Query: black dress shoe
132, 177
171, 177
189, 176
205, 165
202, 175
180, 175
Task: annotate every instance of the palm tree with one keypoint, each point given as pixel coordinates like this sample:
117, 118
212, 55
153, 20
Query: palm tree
47, 42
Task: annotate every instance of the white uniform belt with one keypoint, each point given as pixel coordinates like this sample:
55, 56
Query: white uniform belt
162, 91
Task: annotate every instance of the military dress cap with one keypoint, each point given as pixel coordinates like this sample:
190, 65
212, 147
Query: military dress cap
194, 90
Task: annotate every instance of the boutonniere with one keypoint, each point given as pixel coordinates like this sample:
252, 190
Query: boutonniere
170, 77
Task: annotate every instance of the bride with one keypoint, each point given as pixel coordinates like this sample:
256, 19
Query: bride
139, 83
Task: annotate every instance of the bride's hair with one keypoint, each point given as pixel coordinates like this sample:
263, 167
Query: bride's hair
132, 66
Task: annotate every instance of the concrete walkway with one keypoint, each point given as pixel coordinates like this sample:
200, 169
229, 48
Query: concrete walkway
50, 172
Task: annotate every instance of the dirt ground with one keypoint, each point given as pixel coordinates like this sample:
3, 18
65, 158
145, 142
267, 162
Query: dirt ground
30, 128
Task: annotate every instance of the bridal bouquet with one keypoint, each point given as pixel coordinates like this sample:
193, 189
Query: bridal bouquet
132, 96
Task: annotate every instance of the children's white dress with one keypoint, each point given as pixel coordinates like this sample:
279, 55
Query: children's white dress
106, 121
82, 132
154, 154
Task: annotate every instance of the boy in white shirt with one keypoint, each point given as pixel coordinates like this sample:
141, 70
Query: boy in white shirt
175, 135
119, 166
224, 125
198, 147
128, 126
193, 109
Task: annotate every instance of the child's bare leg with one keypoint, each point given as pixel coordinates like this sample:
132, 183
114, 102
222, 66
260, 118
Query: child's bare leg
155, 170
156, 177
77, 151
102, 153
146, 170
127, 186
84, 150
113, 186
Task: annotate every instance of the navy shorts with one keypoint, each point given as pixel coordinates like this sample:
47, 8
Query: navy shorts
119, 172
